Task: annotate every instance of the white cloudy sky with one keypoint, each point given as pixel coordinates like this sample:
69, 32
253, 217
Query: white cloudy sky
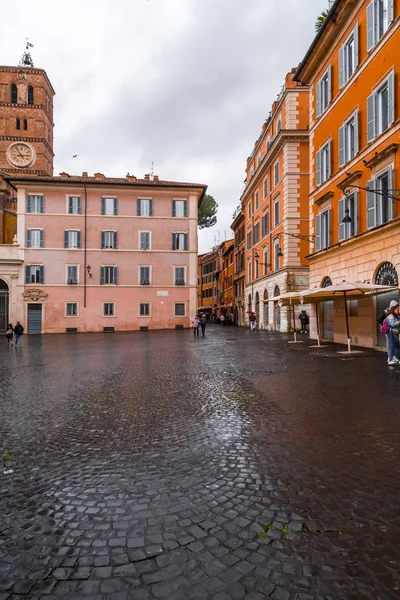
184, 83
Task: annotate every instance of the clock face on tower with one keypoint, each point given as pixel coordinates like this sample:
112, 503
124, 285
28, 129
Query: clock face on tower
21, 155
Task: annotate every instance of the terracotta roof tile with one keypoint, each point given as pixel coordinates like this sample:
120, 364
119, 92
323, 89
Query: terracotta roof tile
107, 180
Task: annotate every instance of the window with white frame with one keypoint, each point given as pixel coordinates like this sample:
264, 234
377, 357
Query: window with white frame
278, 123
323, 230
259, 159
348, 210
379, 199
109, 240
144, 275
35, 203
72, 238
144, 309
72, 274
249, 209
277, 258
256, 233
380, 13
108, 309
324, 91
265, 187
323, 163
109, 206
256, 199
144, 207
144, 240
276, 211
179, 208
35, 238
180, 241
276, 173
109, 275
348, 57
380, 108
74, 205
264, 224
265, 261
71, 309
34, 274
249, 244
180, 276
348, 139
180, 309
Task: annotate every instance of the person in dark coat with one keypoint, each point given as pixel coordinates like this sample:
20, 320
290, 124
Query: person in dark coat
18, 333
9, 334
203, 323
304, 320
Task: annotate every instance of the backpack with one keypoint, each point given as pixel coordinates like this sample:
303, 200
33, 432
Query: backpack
385, 327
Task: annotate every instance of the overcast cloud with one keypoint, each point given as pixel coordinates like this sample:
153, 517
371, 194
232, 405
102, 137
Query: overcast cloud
184, 83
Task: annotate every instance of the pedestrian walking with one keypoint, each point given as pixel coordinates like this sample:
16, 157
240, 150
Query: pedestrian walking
252, 319
196, 325
222, 319
9, 334
393, 323
203, 323
304, 320
384, 327
18, 333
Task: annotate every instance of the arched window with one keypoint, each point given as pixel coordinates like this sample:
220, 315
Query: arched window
277, 291
387, 275
14, 93
25, 124
326, 282
30, 94
18, 123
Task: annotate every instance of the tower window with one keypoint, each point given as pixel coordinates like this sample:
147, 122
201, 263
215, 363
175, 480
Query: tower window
25, 124
18, 123
14, 93
30, 94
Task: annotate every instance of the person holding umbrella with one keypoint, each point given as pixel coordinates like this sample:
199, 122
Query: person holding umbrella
252, 320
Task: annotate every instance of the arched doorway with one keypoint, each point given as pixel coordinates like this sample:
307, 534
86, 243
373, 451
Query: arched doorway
327, 314
277, 292
257, 310
385, 275
266, 310
4, 296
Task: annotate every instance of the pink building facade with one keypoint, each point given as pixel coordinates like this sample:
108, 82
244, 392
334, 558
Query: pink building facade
106, 254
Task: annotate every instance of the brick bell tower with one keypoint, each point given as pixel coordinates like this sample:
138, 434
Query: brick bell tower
26, 119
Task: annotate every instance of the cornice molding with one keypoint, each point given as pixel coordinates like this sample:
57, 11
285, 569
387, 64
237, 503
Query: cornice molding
17, 138
33, 70
380, 156
29, 106
351, 177
324, 197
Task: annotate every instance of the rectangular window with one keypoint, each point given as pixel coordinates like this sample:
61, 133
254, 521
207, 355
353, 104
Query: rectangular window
249, 239
71, 309
145, 276
264, 224
323, 230
324, 91
179, 208
109, 206
348, 57
380, 108
256, 234
35, 203
249, 270
249, 209
379, 200
72, 274
265, 262
180, 276
109, 275
276, 211
108, 309
353, 308
265, 187
180, 241
276, 173
109, 240
380, 14
323, 163
144, 309
277, 258
74, 205
144, 240
34, 274
144, 207
257, 270
256, 199
179, 309
348, 140
35, 238
348, 210
72, 239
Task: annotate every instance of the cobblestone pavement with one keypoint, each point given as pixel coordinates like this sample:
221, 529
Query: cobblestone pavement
155, 465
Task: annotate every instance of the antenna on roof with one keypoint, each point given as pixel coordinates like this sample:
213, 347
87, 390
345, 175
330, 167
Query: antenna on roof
152, 171
26, 59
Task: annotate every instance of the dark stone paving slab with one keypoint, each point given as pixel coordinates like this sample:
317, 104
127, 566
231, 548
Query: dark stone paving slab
146, 466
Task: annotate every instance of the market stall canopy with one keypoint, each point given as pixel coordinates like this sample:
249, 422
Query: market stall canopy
345, 289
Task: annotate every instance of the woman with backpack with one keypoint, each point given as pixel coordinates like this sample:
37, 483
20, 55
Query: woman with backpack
392, 321
9, 334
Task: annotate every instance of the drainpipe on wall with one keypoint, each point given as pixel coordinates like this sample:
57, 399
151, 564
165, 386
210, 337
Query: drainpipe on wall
85, 249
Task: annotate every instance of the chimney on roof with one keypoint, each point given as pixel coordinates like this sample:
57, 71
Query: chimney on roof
131, 178
99, 176
147, 177
64, 175
156, 178
84, 173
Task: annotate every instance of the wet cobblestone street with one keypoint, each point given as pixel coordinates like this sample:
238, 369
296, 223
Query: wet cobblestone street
155, 465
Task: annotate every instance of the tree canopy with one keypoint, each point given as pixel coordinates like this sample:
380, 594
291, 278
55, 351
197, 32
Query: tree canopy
208, 212
321, 20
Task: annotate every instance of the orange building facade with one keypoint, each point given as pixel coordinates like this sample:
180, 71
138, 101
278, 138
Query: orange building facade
239, 275
275, 208
206, 284
353, 70
227, 306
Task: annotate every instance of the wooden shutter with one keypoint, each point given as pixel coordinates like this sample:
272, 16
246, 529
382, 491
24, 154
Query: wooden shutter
138, 208
342, 226
391, 99
319, 99
185, 208
390, 200
29, 203
79, 205
102, 275
329, 84
342, 149
370, 26
103, 206
103, 239
27, 274
342, 74
41, 204
356, 133
318, 232
328, 227
329, 160
265, 187
28, 238
390, 11
174, 241
371, 205
115, 239
41, 274
354, 216
41, 238
151, 207
115, 206
78, 241
173, 208
115, 275
66, 245
318, 167
356, 47
70, 205
186, 242
371, 118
